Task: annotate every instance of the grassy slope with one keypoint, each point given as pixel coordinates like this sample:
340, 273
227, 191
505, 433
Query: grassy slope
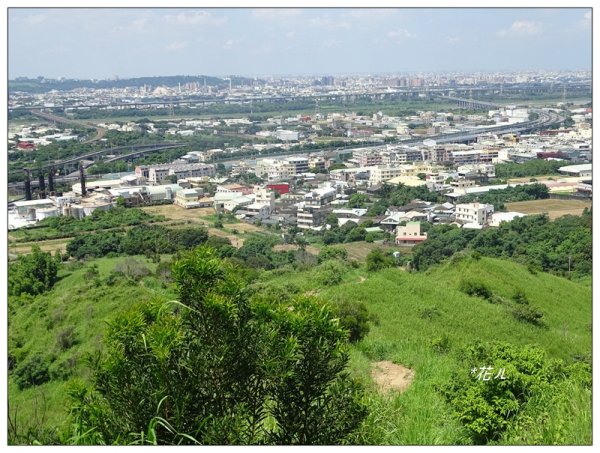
74, 301
420, 416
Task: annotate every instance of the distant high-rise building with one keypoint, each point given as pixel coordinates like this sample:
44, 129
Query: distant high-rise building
327, 81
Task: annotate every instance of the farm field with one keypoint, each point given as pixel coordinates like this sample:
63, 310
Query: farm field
553, 207
46, 246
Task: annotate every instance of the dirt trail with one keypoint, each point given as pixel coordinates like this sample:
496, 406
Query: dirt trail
388, 376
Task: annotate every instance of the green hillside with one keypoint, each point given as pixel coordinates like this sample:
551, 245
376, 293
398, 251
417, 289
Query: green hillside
63, 327
417, 311
423, 321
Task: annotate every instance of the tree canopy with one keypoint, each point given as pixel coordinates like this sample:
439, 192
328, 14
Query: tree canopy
220, 367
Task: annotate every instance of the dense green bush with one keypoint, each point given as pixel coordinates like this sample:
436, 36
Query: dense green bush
220, 367
475, 288
150, 240
330, 273
32, 274
486, 404
329, 253
355, 318
526, 313
33, 371
377, 259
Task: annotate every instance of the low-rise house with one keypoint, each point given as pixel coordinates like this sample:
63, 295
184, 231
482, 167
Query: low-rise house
410, 234
193, 198
473, 213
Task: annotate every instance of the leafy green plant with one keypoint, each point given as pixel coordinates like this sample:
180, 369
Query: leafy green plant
441, 344
526, 313
487, 404
475, 288
31, 372
32, 274
221, 367
354, 317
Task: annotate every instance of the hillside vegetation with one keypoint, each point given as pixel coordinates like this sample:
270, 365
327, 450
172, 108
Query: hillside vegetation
425, 321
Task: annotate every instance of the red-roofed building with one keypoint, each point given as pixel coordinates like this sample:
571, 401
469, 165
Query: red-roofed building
25, 145
281, 189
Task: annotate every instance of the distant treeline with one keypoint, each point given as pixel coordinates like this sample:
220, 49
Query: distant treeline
508, 195
41, 85
562, 246
534, 167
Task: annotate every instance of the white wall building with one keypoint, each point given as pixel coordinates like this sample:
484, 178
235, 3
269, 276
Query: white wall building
476, 213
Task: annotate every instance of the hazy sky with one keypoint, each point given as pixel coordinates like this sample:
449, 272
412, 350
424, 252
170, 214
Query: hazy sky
102, 43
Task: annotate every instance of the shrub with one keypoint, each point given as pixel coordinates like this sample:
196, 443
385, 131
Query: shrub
525, 313
66, 338
377, 259
330, 273
132, 269
32, 372
32, 274
354, 317
441, 344
520, 297
329, 253
488, 407
475, 288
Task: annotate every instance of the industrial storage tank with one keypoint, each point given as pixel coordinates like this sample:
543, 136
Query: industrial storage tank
89, 208
30, 214
44, 213
77, 211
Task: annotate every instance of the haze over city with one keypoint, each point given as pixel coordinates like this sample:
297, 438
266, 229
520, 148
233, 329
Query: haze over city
126, 42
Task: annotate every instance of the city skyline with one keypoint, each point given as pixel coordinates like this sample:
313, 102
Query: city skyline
129, 42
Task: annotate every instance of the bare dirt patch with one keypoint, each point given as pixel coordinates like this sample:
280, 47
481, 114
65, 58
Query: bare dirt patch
391, 377
173, 212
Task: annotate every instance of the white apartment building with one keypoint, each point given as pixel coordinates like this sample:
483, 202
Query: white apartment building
281, 169
484, 169
286, 136
367, 157
383, 173
474, 213
299, 164
313, 211
160, 173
